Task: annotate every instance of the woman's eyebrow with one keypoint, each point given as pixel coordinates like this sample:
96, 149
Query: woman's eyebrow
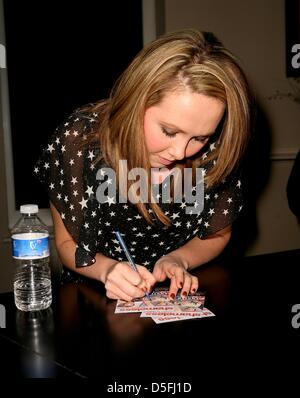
177, 129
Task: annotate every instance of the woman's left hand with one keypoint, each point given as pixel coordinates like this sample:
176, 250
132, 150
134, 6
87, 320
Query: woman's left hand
170, 266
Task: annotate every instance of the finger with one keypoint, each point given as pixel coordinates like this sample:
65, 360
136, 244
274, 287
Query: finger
173, 289
138, 278
133, 278
146, 286
113, 292
194, 284
130, 274
186, 285
120, 285
147, 277
179, 276
142, 285
158, 273
170, 269
112, 296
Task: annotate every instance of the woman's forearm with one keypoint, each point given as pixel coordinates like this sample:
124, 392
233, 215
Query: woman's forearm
98, 270
194, 253
66, 248
200, 251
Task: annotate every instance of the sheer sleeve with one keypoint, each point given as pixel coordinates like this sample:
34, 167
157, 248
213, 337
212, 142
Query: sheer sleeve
65, 169
222, 206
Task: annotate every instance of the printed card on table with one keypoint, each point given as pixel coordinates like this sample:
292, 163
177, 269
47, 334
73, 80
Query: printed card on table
170, 313
159, 300
136, 305
171, 318
162, 309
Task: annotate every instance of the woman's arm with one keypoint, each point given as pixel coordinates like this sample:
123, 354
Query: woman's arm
66, 248
176, 264
119, 279
200, 251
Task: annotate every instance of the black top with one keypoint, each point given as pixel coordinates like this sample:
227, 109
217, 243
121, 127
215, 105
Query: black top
68, 172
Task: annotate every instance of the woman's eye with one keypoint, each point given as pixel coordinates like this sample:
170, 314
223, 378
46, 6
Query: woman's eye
201, 139
168, 133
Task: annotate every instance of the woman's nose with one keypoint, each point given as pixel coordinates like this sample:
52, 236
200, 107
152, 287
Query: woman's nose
177, 151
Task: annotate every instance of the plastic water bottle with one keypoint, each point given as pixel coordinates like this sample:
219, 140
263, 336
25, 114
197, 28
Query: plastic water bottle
30, 249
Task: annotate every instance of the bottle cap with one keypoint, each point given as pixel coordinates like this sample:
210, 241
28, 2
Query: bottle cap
29, 209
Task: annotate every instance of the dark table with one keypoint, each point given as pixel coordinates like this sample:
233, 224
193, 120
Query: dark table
80, 337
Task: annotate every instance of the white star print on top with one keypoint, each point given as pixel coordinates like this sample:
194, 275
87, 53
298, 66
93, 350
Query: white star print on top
67, 168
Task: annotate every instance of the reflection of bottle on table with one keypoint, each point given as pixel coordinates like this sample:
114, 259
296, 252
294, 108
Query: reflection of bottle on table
35, 330
30, 250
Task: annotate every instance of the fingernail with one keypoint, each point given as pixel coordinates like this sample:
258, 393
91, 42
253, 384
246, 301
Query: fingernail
193, 290
172, 295
184, 294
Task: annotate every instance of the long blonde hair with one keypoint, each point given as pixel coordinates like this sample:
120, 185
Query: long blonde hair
187, 58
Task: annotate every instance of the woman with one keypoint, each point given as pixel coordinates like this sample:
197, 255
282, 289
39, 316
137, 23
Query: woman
182, 104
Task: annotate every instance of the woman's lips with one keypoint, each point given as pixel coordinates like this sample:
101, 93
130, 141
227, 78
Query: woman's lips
165, 161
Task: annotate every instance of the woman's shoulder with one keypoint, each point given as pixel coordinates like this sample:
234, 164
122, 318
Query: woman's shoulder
81, 125
84, 118
87, 113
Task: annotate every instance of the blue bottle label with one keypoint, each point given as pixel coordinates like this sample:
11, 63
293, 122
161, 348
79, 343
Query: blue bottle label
32, 245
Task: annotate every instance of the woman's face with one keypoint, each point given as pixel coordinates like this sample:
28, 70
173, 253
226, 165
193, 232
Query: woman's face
179, 126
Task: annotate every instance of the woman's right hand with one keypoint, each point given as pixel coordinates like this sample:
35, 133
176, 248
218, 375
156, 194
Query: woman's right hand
122, 282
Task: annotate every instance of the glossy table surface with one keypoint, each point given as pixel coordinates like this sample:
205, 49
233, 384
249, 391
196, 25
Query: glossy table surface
80, 336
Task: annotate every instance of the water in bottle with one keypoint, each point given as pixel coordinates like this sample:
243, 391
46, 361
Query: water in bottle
30, 249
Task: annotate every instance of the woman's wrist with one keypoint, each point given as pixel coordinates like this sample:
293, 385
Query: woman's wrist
104, 265
170, 257
99, 269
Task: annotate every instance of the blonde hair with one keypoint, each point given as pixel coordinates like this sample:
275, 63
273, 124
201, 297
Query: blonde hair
183, 59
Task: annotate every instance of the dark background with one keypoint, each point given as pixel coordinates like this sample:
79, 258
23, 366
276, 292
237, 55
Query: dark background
61, 55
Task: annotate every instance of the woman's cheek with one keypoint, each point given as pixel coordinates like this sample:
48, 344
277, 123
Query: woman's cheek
193, 149
155, 142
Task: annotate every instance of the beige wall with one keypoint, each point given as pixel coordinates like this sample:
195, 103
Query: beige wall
255, 31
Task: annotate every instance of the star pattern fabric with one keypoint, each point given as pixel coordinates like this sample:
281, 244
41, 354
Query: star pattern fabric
67, 170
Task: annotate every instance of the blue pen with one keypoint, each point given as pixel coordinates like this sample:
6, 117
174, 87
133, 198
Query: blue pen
128, 256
